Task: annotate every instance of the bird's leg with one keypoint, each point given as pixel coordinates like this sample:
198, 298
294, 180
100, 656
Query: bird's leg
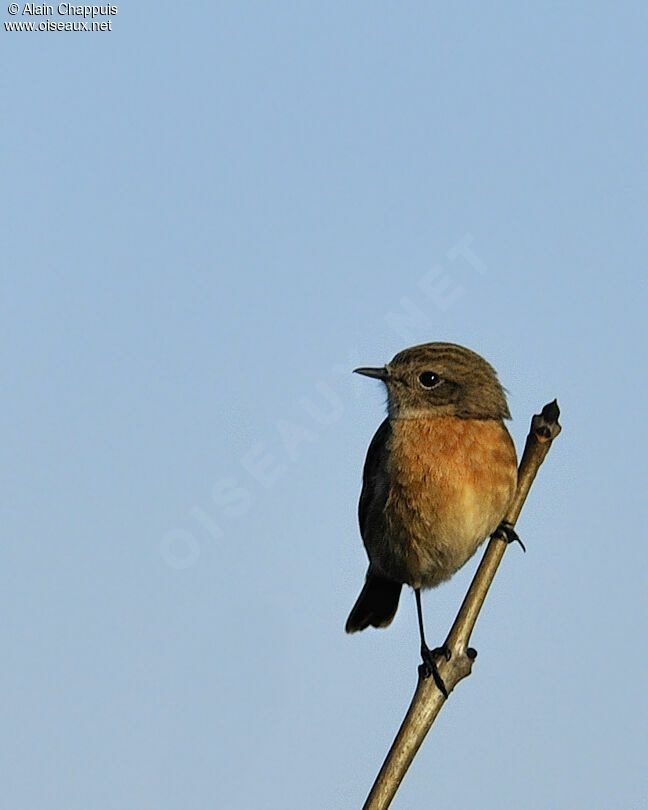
429, 667
506, 532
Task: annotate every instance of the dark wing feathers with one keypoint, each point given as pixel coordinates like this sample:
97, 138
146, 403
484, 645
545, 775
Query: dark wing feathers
378, 600
374, 479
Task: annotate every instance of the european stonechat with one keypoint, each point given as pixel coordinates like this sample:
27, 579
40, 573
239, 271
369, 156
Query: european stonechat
439, 476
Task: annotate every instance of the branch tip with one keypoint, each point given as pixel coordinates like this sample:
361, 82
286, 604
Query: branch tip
551, 411
544, 425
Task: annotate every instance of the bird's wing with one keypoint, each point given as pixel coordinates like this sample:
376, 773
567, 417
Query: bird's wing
375, 487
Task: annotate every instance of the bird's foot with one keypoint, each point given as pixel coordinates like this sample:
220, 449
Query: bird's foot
506, 532
429, 667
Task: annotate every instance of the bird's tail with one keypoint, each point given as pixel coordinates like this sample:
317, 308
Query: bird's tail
376, 604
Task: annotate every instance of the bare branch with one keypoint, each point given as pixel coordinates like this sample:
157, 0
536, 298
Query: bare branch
428, 700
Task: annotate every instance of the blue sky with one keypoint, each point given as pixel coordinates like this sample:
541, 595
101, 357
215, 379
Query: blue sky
211, 216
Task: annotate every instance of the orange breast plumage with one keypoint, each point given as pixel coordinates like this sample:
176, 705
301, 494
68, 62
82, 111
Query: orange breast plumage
450, 483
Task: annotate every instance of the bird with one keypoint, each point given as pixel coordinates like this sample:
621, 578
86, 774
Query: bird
439, 475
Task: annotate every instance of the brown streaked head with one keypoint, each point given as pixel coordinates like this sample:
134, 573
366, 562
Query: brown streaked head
441, 379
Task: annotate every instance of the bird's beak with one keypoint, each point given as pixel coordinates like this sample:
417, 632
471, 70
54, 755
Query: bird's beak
377, 373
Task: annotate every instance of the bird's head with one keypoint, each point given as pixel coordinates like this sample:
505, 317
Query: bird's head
441, 379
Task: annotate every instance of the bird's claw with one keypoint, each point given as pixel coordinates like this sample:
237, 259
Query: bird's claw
506, 532
429, 666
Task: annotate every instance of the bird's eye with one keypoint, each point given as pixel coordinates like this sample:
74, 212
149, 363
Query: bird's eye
429, 379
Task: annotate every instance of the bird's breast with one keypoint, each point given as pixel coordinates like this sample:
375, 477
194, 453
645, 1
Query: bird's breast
450, 483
